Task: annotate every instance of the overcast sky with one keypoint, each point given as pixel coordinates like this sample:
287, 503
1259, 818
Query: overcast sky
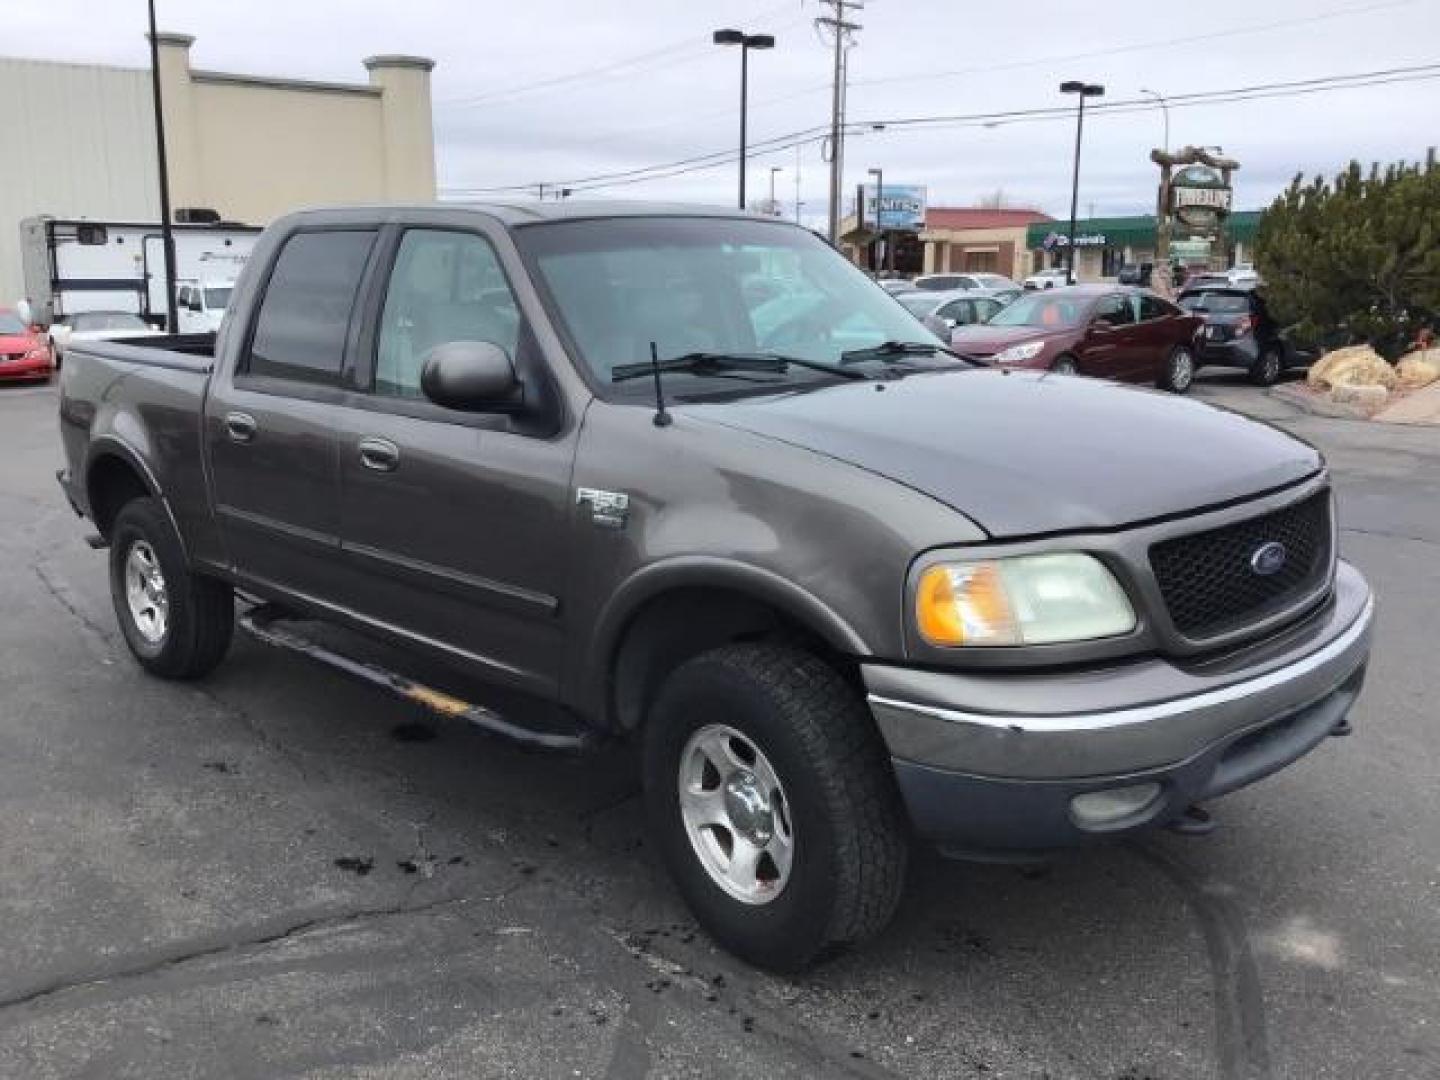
659, 91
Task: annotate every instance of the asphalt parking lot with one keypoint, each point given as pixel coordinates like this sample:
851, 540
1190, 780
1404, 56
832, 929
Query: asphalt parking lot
278, 872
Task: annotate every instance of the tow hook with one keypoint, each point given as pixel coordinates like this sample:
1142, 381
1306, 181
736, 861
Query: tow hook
1195, 821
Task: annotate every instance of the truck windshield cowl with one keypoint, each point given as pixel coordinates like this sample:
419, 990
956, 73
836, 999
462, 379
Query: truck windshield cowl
733, 364
716, 287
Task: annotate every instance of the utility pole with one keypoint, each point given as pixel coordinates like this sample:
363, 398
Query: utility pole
842, 29
167, 233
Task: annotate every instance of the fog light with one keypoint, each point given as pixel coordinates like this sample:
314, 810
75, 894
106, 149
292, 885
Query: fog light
1098, 809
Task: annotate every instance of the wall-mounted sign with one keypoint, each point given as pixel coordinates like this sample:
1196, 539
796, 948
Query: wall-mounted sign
903, 209
1060, 240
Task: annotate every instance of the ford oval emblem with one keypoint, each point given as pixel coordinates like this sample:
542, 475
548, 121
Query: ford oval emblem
1268, 558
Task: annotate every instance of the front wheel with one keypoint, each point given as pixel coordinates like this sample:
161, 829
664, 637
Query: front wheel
177, 623
1179, 371
774, 805
1065, 365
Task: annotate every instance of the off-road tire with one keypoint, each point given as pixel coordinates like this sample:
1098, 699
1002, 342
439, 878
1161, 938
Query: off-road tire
201, 610
851, 835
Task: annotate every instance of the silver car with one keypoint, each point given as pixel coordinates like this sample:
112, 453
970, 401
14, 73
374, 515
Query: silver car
942, 312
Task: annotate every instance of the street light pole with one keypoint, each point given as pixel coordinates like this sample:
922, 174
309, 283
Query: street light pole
167, 234
746, 43
1084, 90
1165, 109
879, 175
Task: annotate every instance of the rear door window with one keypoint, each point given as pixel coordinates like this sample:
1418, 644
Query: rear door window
304, 317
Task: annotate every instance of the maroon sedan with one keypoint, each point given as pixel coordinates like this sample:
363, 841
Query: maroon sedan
1113, 333
25, 351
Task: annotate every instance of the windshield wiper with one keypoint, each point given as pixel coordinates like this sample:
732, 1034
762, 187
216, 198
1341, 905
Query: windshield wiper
888, 349
723, 363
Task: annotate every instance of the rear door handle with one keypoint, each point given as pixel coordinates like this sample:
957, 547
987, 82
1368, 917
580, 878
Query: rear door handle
241, 427
380, 455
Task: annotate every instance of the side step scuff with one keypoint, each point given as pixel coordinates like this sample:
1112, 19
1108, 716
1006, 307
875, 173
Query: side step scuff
262, 623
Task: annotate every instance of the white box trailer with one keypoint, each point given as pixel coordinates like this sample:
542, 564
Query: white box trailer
75, 265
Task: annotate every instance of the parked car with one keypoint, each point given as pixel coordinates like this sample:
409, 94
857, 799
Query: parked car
1047, 279
1199, 279
1243, 274
98, 326
1239, 332
942, 312
1099, 330
895, 286
25, 352
1137, 274
836, 593
975, 281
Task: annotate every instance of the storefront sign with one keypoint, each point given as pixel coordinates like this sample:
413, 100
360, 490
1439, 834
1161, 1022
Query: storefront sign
1060, 240
903, 209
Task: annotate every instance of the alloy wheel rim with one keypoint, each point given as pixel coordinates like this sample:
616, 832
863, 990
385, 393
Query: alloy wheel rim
736, 814
1182, 369
145, 592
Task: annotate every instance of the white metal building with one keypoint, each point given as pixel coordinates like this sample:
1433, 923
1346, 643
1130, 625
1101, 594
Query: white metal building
249, 147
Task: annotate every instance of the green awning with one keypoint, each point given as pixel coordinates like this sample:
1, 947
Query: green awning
1137, 232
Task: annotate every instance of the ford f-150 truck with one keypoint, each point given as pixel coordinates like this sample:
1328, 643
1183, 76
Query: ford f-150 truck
689, 478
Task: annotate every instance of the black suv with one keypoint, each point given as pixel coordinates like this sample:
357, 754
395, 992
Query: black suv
1239, 332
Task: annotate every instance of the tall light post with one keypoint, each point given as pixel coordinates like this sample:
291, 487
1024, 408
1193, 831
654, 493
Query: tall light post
879, 175
774, 206
1084, 90
167, 234
746, 43
1164, 108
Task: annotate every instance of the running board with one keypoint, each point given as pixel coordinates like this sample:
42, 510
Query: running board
262, 623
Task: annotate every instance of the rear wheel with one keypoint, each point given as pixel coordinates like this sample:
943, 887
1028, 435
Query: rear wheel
178, 624
1179, 371
774, 804
1266, 371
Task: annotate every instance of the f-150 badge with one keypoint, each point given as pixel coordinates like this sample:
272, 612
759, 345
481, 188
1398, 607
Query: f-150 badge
608, 509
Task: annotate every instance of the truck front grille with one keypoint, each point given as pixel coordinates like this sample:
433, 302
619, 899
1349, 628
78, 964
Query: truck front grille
1210, 584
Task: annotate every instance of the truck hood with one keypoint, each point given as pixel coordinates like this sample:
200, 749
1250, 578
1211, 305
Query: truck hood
1023, 453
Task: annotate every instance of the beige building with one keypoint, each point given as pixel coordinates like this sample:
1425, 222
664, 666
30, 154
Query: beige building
249, 147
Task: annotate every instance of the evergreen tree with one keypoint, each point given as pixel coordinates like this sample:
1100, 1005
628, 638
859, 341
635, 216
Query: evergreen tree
1356, 259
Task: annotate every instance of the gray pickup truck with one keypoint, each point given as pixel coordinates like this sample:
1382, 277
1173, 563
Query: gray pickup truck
691, 479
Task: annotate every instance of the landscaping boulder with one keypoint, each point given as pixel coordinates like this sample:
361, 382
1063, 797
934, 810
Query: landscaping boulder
1419, 368
1356, 365
1369, 398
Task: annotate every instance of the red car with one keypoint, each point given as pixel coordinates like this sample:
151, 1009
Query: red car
25, 351
1102, 330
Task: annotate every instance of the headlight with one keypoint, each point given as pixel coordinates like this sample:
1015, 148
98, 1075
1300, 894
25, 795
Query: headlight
1017, 353
1026, 600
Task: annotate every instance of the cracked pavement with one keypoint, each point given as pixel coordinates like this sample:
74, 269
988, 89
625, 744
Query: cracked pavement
279, 872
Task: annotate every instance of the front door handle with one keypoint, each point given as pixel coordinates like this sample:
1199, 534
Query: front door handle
241, 427
380, 455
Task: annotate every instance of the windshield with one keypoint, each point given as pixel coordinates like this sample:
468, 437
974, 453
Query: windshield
1220, 303
11, 324
994, 281
217, 297
713, 285
1043, 309
108, 320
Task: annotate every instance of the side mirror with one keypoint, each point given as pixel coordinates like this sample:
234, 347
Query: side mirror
472, 376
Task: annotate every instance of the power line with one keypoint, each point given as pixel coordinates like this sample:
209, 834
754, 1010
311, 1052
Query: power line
640, 63
716, 159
